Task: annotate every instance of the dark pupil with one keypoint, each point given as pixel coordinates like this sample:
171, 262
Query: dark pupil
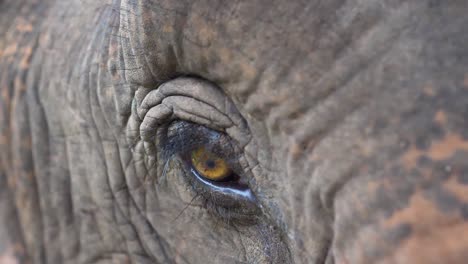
210, 164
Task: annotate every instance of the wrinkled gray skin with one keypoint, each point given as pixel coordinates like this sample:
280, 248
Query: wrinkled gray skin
350, 117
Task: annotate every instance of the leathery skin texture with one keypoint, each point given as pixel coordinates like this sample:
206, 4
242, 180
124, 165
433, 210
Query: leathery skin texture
347, 122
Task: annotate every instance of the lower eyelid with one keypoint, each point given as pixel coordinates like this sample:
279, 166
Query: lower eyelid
230, 198
240, 191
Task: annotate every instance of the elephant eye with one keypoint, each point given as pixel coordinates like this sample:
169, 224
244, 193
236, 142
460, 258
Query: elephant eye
211, 167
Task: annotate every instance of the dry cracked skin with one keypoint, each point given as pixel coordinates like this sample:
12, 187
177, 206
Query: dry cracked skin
264, 131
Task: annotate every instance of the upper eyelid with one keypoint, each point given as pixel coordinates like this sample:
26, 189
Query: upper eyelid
188, 87
158, 107
190, 136
182, 108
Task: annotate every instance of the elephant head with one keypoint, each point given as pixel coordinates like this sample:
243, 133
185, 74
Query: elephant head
266, 131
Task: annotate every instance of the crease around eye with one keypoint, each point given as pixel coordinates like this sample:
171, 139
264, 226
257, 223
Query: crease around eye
190, 99
188, 113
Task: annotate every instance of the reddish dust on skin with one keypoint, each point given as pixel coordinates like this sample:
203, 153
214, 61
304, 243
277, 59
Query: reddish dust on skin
8, 257
167, 28
26, 58
439, 150
433, 236
206, 33
453, 186
23, 25
465, 81
10, 50
247, 70
12, 254
440, 117
445, 244
296, 150
436, 236
19, 85
422, 214
428, 90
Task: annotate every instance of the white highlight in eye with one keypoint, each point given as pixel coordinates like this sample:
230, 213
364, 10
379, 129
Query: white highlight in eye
244, 193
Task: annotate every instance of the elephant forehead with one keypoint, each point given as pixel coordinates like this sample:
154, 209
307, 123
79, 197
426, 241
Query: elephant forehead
278, 60
259, 43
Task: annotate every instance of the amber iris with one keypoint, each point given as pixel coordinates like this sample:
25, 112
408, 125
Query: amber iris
209, 165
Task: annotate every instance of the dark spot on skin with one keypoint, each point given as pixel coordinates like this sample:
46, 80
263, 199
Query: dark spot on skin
463, 176
434, 3
398, 233
441, 171
424, 161
445, 200
437, 172
393, 197
422, 143
379, 126
436, 131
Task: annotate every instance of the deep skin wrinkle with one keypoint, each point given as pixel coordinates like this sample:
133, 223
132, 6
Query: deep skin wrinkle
349, 118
